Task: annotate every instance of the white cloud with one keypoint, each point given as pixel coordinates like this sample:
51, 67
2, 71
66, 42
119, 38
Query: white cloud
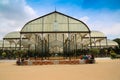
113, 30
110, 29
13, 15
107, 22
84, 19
29, 10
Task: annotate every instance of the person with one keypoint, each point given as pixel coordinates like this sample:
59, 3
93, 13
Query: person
29, 61
92, 57
92, 60
22, 61
81, 56
18, 61
82, 60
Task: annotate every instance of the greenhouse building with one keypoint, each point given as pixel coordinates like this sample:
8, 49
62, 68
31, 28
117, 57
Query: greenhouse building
55, 33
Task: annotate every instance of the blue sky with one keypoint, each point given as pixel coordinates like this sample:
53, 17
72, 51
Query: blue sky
100, 15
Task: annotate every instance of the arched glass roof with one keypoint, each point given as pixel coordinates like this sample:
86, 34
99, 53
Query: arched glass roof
55, 22
12, 35
96, 34
109, 43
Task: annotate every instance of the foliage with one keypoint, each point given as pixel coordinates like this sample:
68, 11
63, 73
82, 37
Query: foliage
3, 54
94, 51
112, 54
118, 41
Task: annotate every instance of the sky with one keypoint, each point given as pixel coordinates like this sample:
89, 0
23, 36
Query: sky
99, 15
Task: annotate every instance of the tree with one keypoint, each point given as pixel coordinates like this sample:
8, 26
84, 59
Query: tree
118, 41
117, 49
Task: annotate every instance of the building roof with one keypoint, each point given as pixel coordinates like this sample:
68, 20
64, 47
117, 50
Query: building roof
12, 35
96, 34
55, 22
109, 43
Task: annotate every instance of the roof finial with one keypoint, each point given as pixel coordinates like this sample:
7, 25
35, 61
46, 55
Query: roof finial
55, 8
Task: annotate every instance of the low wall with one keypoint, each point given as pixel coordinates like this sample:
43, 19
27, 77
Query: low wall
51, 62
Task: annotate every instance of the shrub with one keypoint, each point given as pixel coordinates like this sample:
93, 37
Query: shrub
94, 51
3, 55
112, 54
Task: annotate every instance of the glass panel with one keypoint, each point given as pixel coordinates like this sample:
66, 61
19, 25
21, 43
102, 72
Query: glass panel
33, 28
36, 21
13, 35
48, 27
73, 21
49, 18
63, 27
61, 18
77, 27
37, 28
